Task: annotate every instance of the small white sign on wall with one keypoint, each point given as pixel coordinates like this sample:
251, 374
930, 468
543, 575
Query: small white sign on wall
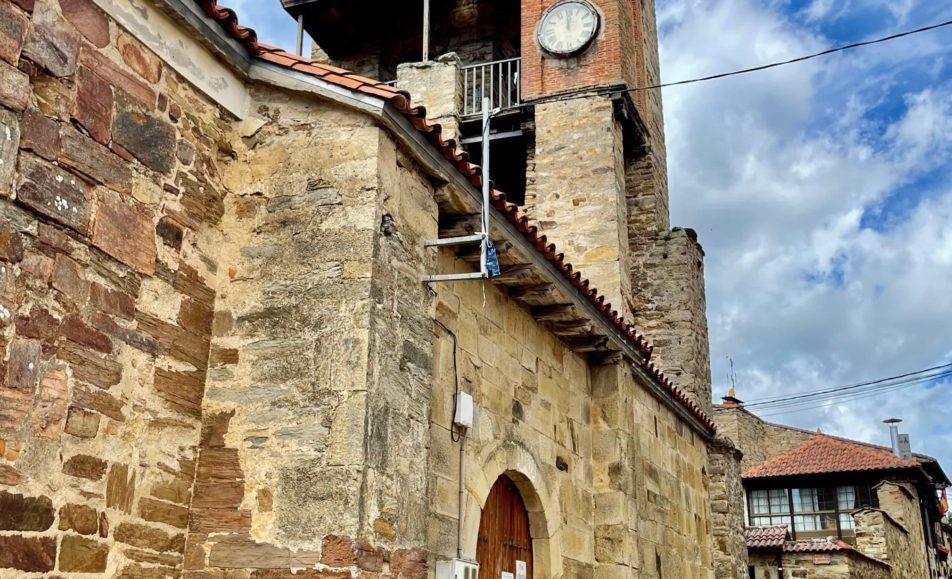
520, 569
506, 575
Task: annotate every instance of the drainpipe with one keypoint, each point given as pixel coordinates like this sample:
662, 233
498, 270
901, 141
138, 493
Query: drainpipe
426, 30
300, 34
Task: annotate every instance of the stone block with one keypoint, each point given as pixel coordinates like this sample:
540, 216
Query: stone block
40, 134
11, 244
181, 392
14, 87
219, 521
124, 229
170, 233
138, 340
112, 302
82, 555
338, 551
21, 513
55, 193
9, 146
74, 329
95, 399
107, 70
90, 367
94, 161
15, 404
85, 466
52, 42
10, 476
162, 512
176, 490
151, 140
408, 564
120, 488
94, 104
88, 19
218, 494
146, 537
55, 97
50, 408
80, 518
139, 58
242, 552
23, 364
25, 4
13, 29
31, 554
82, 423
175, 341
68, 278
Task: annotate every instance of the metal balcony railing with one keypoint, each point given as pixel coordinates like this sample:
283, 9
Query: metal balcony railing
498, 81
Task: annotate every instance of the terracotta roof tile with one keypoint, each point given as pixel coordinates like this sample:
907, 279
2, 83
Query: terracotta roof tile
400, 100
766, 537
826, 454
816, 546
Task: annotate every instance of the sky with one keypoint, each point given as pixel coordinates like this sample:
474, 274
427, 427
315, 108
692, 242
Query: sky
821, 192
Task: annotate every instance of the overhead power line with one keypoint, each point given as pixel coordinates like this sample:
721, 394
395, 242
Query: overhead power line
794, 60
815, 393
804, 405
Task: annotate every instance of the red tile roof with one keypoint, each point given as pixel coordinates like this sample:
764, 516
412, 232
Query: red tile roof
228, 20
816, 546
766, 537
826, 454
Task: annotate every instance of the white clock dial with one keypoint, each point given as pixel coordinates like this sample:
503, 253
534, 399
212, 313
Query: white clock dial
568, 27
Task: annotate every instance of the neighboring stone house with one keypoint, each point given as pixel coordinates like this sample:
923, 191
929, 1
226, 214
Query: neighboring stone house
863, 510
219, 357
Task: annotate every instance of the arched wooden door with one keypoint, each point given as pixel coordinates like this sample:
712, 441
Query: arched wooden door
504, 543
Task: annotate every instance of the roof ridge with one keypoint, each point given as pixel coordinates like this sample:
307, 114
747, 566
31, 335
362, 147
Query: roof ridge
812, 432
823, 453
401, 100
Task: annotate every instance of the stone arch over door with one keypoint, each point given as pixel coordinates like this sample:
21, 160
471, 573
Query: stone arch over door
517, 463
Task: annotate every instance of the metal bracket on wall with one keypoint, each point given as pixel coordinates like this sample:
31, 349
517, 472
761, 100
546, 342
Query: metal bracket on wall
483, 236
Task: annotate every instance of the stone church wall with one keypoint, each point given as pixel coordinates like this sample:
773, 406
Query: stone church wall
110, 201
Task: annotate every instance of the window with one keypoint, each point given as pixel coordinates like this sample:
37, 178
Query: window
770, 507
811, 512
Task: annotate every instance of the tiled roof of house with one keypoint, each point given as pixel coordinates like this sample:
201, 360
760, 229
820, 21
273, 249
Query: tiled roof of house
816, 546
766, 537
449, 148
825, 454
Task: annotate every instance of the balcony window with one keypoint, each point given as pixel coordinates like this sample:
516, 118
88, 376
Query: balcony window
811, 512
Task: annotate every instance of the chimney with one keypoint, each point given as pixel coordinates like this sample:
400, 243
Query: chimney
900, 442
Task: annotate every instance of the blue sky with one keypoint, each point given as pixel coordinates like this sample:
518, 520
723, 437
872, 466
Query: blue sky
822, 193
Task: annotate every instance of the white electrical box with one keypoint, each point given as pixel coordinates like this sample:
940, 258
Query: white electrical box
464, 410
457, 568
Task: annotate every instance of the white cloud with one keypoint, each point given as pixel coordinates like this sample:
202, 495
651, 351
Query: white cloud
778, 170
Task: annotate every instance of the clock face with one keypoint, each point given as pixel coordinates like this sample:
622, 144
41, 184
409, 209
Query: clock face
568, 27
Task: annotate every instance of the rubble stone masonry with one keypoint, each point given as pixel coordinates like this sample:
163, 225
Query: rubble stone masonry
110, 206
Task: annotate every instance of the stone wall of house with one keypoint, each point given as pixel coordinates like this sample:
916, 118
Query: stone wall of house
764, 564
900, 501
670, 308
579, 190
834, 565
438, 86
110, 202
727, 509
313, 451
615, 483
757, 439
881, 537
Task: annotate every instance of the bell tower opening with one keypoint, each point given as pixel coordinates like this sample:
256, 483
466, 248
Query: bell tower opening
504, 543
